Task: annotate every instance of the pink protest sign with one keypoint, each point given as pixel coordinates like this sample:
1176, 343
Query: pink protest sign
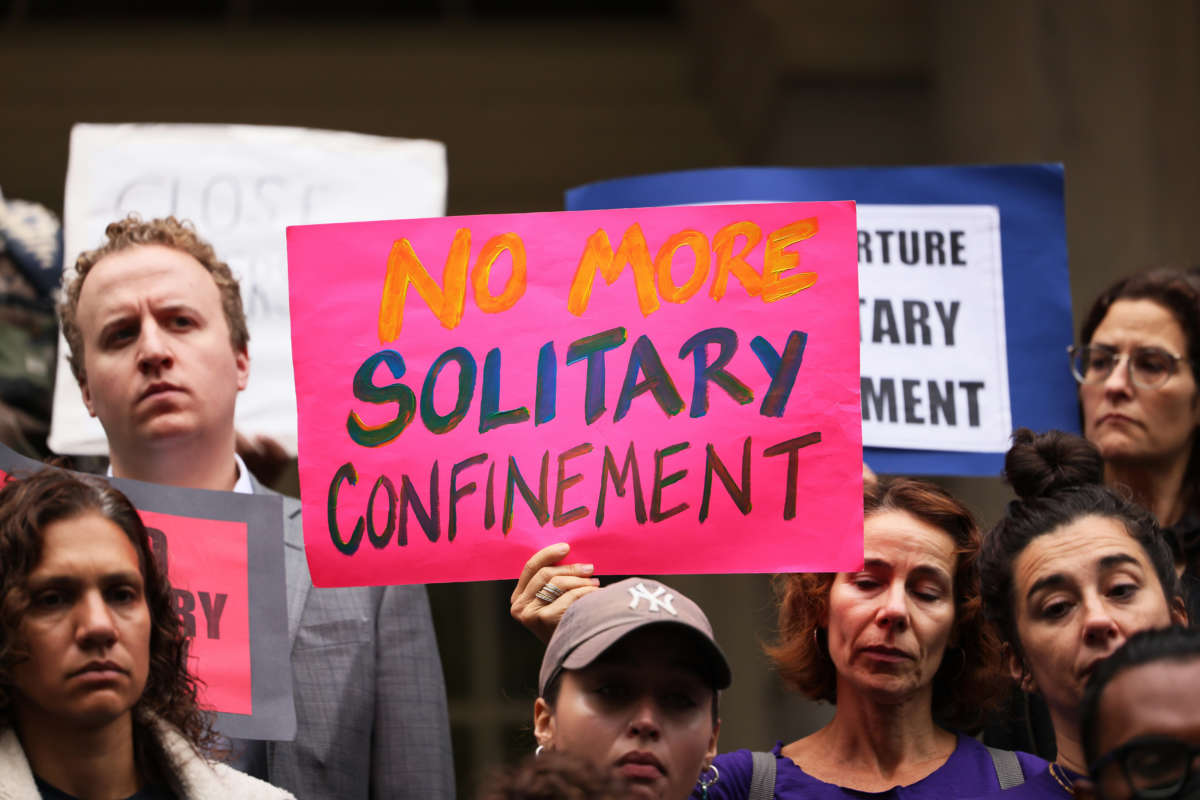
207, 565
672, 390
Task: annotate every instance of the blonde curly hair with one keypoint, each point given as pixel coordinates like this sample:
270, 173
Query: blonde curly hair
168, 232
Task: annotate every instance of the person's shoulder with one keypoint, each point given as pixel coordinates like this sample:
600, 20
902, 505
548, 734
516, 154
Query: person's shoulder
970, 746
15, 775
974, 749
203, 778
246, 787
971, 749
1038, 782
734, 770
1031, 765
1038, 787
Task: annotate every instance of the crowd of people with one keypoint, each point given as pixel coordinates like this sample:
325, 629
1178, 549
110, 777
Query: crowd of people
1071, 612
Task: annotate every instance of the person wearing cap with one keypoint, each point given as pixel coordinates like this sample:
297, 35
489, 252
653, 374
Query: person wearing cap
629, 682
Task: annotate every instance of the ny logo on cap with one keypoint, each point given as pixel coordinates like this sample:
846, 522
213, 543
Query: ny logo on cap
655, 599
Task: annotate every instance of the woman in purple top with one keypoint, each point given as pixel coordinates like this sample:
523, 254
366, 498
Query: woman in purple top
1069, 574
894, 645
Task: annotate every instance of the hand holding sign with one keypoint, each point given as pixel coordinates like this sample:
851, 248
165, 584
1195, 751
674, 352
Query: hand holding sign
538, 610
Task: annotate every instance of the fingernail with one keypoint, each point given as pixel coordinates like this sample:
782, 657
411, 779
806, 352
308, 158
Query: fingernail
587, 569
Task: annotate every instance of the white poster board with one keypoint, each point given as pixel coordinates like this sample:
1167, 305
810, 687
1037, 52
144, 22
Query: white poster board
241, 185
931, 315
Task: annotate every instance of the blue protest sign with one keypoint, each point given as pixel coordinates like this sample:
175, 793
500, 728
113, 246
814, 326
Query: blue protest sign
964, 301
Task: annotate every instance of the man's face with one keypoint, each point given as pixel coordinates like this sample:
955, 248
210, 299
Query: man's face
1151, 710
157, 353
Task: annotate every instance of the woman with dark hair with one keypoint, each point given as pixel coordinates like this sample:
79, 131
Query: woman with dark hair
1139, 372
1069, 574
96, 700
902, 649
629, 683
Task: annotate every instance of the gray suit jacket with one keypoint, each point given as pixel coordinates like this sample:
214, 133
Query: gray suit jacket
369, 693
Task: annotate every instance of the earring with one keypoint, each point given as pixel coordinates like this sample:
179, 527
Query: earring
537, 751
704, 783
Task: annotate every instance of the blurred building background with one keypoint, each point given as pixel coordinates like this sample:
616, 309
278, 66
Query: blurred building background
534, 96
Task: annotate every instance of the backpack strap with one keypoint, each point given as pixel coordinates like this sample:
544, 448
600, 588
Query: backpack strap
1008, 768
762, 780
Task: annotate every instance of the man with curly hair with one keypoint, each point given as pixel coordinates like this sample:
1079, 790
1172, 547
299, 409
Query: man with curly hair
158, 343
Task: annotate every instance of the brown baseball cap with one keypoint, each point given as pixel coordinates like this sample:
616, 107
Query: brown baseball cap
596, 621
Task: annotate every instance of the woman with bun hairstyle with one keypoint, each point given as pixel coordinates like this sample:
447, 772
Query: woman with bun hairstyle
1138, 369
1071, 571
96, 701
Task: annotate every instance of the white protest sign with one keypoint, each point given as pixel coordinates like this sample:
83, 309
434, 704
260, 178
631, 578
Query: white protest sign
931, 314
241, 185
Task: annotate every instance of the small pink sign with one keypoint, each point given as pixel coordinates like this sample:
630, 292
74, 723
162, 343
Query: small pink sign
672, 390
207, 567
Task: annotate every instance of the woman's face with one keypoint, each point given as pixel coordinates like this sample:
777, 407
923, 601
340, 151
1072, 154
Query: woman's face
1128, 422
641, 709
889, 623
87, 628
1079, 592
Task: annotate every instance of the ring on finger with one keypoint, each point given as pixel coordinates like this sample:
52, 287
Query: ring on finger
548, 593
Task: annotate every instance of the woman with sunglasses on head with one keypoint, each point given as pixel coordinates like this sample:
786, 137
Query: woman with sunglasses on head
1071, 571
96, 701
1138, 376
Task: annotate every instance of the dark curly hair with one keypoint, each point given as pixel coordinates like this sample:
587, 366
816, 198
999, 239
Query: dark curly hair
168, 232
1058, 478
28, 504
963, 690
